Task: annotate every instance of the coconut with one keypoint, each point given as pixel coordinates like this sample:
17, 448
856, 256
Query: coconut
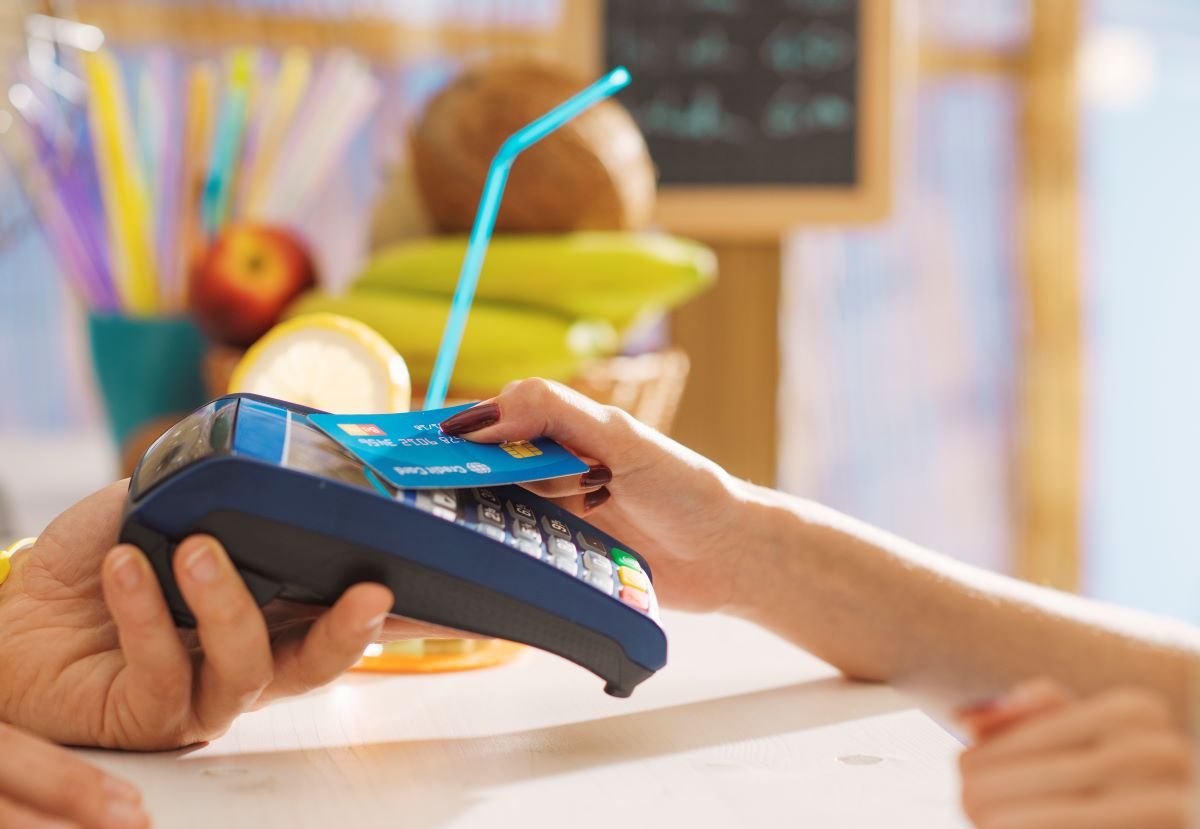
594, 173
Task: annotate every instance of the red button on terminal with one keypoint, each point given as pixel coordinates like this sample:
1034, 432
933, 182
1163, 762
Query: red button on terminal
636, 598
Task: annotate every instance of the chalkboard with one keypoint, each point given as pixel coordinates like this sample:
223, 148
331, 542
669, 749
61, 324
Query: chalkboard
743, 92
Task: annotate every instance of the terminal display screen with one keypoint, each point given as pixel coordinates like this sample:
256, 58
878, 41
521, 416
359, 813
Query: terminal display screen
202, 433
210, 430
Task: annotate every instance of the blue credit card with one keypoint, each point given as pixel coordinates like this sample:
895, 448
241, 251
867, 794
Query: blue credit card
410, 451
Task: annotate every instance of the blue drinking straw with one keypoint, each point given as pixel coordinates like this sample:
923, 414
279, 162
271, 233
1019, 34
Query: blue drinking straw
485, 220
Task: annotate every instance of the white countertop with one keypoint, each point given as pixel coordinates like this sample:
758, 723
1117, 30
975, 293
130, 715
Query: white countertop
739, 729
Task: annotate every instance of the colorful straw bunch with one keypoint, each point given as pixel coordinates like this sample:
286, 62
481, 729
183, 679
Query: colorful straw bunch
133, 180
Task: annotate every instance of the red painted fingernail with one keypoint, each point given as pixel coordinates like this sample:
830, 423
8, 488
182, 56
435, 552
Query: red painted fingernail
983, 706
472, 420
596, 476
595, 498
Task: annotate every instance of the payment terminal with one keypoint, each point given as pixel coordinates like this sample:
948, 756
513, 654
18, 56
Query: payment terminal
303, 519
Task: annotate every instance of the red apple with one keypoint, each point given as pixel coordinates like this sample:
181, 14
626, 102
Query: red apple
246, 278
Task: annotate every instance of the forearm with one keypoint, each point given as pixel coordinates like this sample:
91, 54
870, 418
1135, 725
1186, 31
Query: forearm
883, 609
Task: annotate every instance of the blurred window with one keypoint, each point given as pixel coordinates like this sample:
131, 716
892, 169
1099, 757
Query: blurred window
900, 340
1140, 79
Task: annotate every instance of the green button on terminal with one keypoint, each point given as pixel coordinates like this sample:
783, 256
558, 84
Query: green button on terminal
624, 559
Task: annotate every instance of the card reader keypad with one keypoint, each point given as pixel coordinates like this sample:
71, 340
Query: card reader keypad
490, 515
582, 554
556, 527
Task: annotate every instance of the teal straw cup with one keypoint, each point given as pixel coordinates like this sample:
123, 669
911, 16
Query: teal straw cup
146, 368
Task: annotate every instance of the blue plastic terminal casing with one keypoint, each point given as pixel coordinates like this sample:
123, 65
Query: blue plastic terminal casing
302, 520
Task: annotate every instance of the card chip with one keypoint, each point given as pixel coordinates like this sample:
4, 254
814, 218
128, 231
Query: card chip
521, 449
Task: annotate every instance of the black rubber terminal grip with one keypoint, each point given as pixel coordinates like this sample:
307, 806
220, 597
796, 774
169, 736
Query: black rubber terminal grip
160, 550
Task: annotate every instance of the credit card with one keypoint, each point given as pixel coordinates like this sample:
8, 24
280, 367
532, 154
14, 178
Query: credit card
410, 451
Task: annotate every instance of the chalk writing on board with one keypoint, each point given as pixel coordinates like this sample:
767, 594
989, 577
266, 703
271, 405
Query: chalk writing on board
813, 49
698, 115
742, 91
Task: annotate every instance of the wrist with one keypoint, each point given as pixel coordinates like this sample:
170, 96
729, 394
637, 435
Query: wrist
760, 545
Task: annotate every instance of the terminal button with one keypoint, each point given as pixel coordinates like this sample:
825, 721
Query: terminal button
444, 499
597, 563
624, 559
428, 502
601, 581
633, 578
523, 512
529, 548
636, 598
486, 496
556, 527
490, 515
567, 565
559, 547
493, 532
593, 543
525, 530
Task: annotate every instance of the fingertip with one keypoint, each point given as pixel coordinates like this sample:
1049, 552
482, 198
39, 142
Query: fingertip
979, 707
597, 475
123, 547
1038, 688
120, 556
124, 570
372, 595
200, 541
202, 560
364, 607
472, 421
121, 789
595, 499
1026, 697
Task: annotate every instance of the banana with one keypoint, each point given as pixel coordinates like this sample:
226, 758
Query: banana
501, 343
611, 276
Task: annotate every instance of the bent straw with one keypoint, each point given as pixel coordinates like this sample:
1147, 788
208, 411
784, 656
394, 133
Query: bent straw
485, 220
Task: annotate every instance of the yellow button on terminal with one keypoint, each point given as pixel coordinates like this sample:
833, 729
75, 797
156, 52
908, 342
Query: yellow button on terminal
633, 578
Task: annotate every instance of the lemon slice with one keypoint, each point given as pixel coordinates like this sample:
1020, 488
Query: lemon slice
328, 362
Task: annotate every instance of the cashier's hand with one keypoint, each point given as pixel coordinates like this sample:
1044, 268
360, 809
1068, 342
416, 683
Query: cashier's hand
1045, 760
675, 507
89, 654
